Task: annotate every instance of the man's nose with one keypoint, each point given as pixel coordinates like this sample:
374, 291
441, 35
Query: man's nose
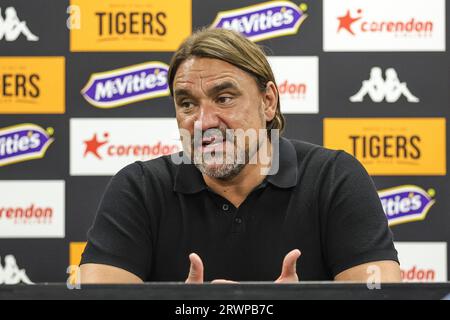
208, 117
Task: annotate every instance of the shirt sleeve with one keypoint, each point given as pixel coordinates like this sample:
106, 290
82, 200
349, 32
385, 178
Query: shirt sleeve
120, 235
356, 228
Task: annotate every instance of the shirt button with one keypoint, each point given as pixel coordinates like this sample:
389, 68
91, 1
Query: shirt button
225, 207
238, 220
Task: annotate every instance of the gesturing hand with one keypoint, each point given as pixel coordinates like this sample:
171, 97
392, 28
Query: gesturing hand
196, 270
288, 269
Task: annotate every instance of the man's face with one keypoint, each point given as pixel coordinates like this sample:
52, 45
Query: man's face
212, 96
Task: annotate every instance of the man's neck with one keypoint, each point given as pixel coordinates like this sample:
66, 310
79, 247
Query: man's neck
239, 187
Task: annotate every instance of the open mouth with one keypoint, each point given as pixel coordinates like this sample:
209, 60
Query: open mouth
209, 144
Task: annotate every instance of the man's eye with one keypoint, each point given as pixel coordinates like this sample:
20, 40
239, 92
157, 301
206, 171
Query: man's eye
186, 104
224, 99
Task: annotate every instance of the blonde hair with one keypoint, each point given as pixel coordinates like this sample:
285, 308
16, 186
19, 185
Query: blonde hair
235, 49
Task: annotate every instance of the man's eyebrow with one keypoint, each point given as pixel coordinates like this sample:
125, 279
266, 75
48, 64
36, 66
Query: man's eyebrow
222, 86
182, 92
211, 92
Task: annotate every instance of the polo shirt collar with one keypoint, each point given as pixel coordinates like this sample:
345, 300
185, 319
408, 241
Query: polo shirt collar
189, 180
286, 177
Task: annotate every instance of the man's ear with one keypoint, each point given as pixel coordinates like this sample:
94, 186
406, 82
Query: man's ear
270, 99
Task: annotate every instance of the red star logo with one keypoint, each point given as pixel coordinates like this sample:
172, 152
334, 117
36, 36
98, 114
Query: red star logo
93, 145
345, 22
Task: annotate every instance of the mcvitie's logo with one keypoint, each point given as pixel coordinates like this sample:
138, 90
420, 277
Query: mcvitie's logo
126, 85
23, 142
263, 21
406, 203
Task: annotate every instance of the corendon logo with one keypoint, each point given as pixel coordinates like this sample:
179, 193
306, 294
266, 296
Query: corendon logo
422, 261
32, 209
293, 90
32, 214
355, 24
299, 91
263, 21
104, 146
417, 274
98, 146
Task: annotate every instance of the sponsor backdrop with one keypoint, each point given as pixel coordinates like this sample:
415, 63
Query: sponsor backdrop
83, 92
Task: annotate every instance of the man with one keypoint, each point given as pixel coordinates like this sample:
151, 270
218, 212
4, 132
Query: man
222, 221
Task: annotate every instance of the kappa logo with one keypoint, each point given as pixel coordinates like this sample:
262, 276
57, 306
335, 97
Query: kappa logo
263, 21
406, 203
127, 85
11, 274
378, 89
23, 142
11, 27
407, 27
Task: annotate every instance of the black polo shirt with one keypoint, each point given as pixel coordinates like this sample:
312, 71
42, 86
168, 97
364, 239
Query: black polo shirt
155, 213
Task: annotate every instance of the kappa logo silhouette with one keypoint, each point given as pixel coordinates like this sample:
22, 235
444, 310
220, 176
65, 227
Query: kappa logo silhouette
263, 21
378, 89
127, 85
406, 203
11, 274
11, 27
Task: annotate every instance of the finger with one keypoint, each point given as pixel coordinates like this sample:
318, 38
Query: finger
223, 281
196, 269
289, 268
